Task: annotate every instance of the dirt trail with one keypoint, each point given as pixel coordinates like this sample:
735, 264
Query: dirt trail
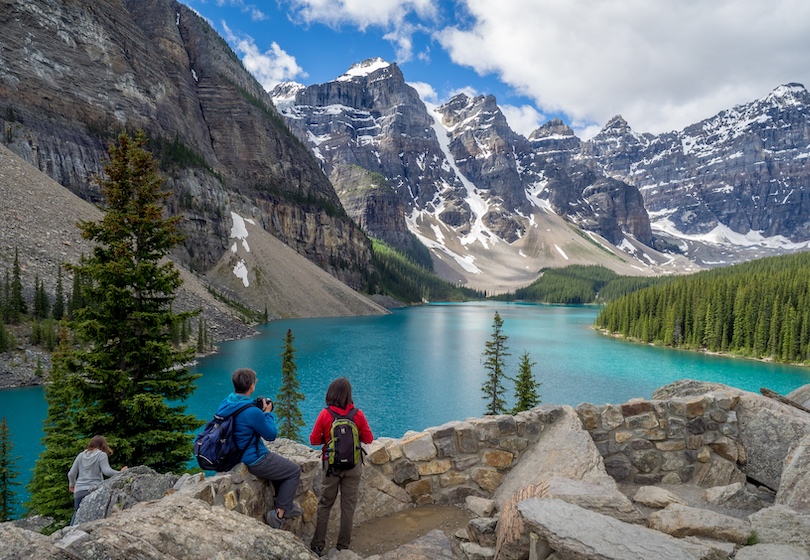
387, 533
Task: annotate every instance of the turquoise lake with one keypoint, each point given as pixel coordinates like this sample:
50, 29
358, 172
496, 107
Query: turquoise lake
422, 366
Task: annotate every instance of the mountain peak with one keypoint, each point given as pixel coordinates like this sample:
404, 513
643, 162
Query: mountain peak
788, 94
363, 69
554, 128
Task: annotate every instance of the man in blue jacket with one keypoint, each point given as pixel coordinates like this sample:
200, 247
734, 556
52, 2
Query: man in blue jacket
250, 426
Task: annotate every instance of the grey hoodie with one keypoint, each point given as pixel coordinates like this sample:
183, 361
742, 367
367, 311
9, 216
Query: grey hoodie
88, 470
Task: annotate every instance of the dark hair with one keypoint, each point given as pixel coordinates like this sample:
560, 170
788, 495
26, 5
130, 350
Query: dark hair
339, 393
242, 379
100, 442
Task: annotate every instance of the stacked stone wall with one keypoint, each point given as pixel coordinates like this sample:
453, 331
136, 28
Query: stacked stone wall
447, 463
690, 439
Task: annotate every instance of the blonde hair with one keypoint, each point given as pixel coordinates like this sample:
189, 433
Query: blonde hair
100, 442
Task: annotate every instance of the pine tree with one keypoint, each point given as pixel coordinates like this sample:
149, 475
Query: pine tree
526, 396
42, 305
8, 472
289, 394
496, 351
201, 335
133, 380
62, 439
16, 302
59, 298
5, 301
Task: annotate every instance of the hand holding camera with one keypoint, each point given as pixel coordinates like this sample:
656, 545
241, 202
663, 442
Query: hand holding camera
265, 404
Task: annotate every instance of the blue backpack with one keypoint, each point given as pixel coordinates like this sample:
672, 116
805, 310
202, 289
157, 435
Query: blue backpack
215, 447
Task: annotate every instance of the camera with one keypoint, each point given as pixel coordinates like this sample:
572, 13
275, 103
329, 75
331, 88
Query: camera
261, 402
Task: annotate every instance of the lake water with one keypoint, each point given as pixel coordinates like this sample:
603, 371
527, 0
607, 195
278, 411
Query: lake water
422, 366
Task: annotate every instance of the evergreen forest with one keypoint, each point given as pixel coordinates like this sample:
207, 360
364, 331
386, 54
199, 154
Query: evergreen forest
758, 309
400, 277
580, 284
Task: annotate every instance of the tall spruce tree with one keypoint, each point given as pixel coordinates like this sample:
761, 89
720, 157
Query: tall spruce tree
289, 394
17, 304
58, 308
526, 396
8, 473
496, 351
62, 439
134, 380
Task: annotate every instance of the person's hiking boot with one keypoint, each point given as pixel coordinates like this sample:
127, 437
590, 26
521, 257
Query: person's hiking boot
294, 511
317, 549
271, 518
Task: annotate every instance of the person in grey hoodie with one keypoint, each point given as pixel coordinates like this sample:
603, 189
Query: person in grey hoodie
88, 470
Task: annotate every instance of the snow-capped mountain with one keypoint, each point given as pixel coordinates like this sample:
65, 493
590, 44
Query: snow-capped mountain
737, 183
491, 205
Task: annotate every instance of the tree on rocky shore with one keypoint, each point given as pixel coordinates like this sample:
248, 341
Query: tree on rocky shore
48, 489
289, 394
8, 472
496, 351
526, 385
133, 378
125, 378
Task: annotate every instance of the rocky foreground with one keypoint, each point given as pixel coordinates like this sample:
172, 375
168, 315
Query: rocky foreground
701, 471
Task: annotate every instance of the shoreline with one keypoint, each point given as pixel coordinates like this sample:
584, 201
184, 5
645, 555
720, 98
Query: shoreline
767, 360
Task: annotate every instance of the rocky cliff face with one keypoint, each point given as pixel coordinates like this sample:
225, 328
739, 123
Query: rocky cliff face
465, 180
743, 171
82, 71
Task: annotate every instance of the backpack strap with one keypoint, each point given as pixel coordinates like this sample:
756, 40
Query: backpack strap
255, 434
350, 415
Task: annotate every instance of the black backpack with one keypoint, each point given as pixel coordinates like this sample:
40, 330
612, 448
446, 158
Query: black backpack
215, 447
343, 450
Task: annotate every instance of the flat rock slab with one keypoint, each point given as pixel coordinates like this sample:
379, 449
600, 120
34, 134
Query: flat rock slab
771, 552
565, 449
679, 520
580, 534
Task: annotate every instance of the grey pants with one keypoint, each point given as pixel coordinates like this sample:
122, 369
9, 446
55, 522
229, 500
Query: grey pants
282, 473
348, 482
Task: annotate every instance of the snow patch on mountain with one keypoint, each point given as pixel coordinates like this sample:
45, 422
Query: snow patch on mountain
239, 232
723, 235
478, 205
363, 69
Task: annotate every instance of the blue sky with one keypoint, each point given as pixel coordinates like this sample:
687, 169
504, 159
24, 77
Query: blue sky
661, 64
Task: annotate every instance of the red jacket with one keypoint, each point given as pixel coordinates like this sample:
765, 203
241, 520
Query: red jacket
323, 426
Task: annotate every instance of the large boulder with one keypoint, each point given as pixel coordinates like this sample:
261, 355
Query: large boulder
768, 429
575, 533
794, 489
680, 521
800, 395
433, 546
22, 544
771, 552
178, 527
137, 484
378, 497
781, 525
564, 449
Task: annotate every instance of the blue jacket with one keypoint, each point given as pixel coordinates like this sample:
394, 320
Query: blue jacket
249, 422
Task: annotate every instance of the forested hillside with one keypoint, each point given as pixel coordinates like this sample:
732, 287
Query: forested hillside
398, 276
759, 309
578, 284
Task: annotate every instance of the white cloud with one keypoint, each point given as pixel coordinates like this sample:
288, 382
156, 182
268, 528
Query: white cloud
426, 92
524, 119
469, 91
362, 13
388, 15
662, 64
270, 67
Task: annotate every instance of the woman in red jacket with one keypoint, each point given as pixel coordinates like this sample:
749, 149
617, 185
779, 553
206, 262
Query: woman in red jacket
338, 401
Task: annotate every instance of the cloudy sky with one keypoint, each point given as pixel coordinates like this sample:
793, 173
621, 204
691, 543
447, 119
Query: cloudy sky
661, 64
